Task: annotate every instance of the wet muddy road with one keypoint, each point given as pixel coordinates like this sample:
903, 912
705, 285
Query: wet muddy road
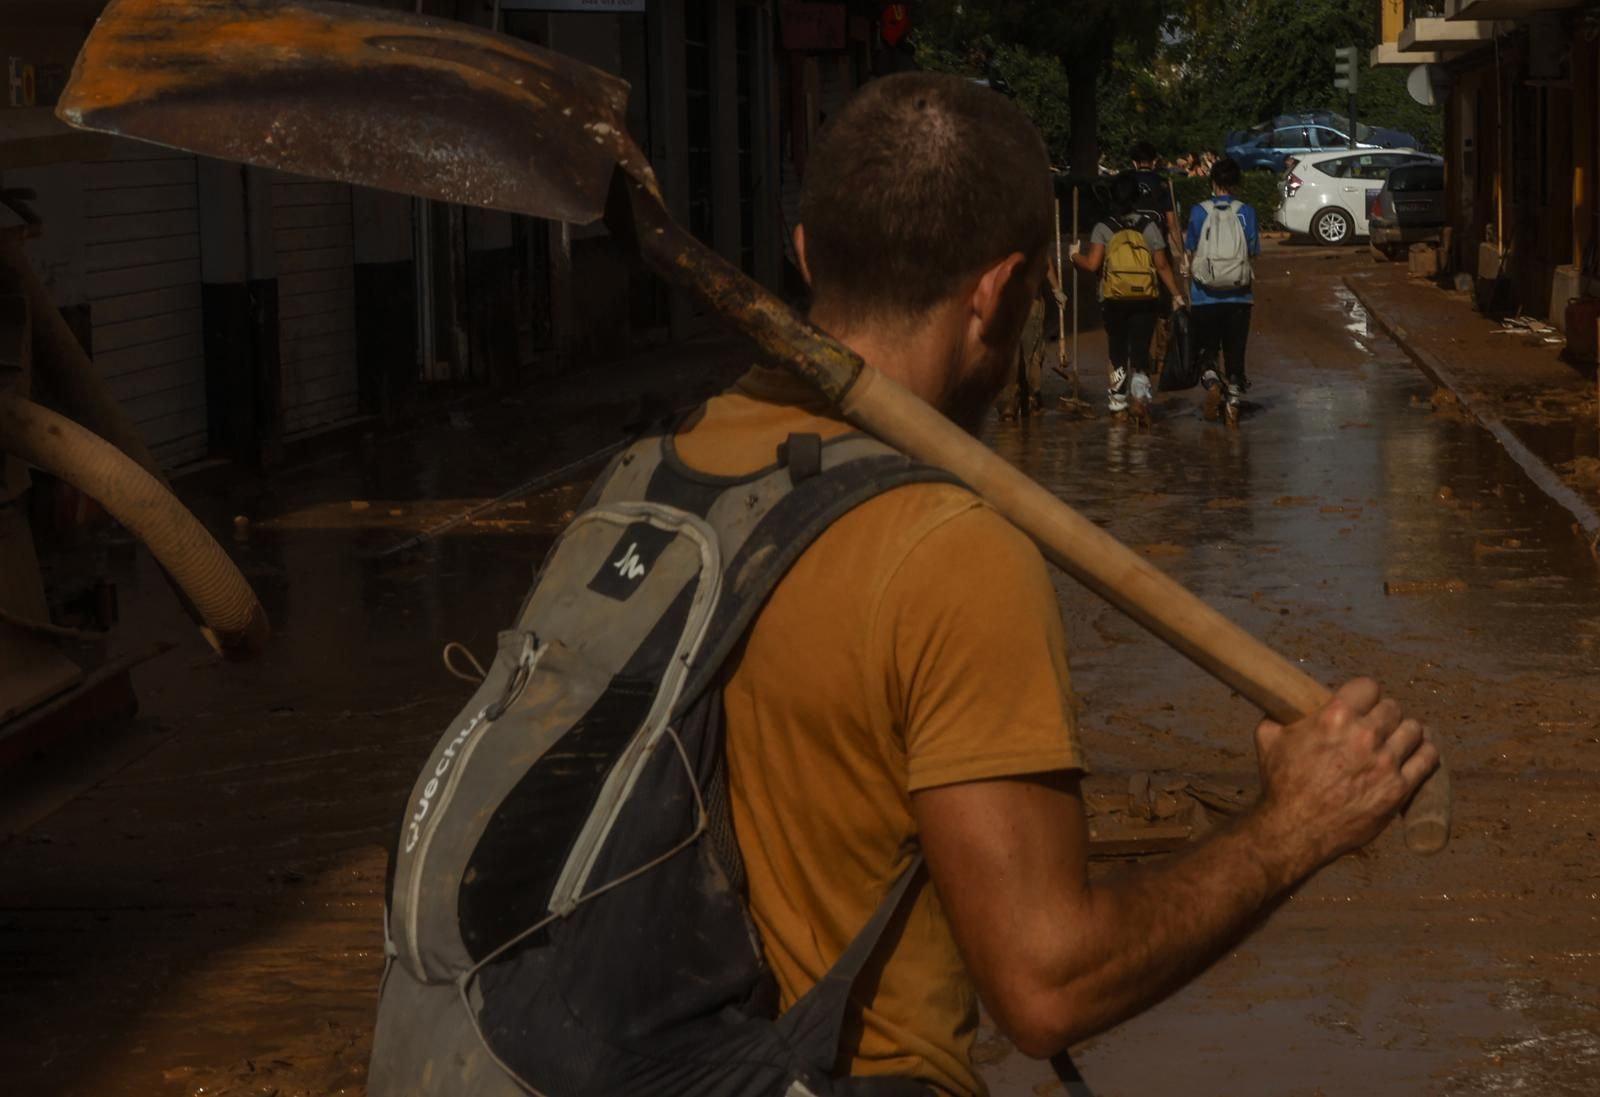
195, 906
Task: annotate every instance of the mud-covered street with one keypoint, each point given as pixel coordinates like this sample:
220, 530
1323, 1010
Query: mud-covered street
195, 907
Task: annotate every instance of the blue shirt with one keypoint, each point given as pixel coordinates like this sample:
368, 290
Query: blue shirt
1198, 294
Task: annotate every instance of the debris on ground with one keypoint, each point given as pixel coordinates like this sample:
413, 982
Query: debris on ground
1151, 815
1584, 472
1524, 325
1447, 405
1425, 586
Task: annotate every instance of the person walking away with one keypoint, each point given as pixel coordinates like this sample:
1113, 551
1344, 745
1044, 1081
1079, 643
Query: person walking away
1224, 235
1155, 201
1021, 397
910, 671
1129, 253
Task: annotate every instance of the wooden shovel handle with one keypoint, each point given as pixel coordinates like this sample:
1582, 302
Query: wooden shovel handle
882, 407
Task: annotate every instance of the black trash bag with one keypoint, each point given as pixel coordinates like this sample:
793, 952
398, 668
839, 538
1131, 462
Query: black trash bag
1180, 370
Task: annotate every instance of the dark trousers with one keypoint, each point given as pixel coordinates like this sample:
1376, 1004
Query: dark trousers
1224, 330
1129, 326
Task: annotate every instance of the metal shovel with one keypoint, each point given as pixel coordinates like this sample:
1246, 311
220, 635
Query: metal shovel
448, 111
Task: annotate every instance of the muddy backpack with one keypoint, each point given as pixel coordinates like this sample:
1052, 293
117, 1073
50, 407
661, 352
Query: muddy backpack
1222, 254
1130, 267
565, 913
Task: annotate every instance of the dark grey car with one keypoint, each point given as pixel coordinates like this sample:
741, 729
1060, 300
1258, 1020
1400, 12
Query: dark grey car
1410, 208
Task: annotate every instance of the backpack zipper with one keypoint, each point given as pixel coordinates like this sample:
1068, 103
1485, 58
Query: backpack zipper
568, 891
448, 770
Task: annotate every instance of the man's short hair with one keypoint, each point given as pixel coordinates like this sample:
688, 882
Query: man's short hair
1225, 172
920, 182
1143, 152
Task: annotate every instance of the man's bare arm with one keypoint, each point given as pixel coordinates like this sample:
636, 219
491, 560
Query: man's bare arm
1058, 958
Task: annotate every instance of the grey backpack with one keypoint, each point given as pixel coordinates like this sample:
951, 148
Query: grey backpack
1222, 254
566, 914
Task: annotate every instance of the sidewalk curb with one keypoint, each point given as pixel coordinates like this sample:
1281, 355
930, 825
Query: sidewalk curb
1545, 478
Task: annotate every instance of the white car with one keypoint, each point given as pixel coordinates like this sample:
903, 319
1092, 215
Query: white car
1328, 196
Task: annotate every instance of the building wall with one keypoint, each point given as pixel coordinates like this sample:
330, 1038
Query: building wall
1522, 139
284, 318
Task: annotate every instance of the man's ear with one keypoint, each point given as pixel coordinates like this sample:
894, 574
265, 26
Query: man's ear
800, 252
996, 297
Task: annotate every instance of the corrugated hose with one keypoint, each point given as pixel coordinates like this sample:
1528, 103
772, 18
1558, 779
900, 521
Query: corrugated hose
234, 622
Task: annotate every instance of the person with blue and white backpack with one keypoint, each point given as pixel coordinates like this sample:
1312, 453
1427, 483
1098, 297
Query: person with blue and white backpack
1224, 235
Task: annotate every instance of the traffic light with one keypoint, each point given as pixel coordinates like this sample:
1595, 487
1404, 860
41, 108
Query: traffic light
1344, 69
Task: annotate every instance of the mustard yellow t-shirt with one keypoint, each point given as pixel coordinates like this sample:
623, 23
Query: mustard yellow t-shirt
917, 643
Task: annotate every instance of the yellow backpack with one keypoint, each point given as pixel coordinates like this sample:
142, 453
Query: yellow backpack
1130, 270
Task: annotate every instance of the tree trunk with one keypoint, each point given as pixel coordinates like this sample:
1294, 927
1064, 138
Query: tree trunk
1083, 78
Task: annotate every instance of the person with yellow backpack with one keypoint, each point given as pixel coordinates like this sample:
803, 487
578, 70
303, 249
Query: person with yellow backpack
1129, 251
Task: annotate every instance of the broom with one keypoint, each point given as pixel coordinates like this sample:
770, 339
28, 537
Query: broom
1074, 404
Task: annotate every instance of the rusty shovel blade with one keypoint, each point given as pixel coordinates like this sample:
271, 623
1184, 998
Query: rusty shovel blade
426, 107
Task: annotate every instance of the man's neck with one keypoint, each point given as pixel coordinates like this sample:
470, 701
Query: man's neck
917, 355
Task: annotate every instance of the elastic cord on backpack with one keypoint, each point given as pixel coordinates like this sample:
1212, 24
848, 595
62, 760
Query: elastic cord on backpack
451, 649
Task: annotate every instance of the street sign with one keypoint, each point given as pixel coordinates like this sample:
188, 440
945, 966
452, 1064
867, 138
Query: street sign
1344, 69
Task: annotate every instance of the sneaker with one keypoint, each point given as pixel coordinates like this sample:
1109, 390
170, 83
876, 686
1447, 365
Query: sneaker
1139, 387
1139, 400
1235, 389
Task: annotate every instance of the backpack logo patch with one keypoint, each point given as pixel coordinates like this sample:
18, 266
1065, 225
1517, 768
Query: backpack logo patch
630, 560
627, 564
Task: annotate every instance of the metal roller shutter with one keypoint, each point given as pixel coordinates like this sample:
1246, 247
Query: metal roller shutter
142, 282
312, 237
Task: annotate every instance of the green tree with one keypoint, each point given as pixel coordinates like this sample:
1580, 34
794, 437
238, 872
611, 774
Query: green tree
1100, 74
1247, 60
1034, 79
1082, 36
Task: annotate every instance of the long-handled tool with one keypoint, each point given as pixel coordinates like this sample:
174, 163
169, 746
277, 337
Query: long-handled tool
1175, 244
1073, 405
452, 112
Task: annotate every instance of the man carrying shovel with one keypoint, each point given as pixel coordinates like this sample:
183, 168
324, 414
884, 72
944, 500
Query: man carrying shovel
906, 686
903, 690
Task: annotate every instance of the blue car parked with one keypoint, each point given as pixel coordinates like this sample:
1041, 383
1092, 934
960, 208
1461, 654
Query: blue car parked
1268, 147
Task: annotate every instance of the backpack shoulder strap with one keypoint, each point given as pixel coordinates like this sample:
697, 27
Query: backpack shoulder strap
763, 521
819, 484
815, 1023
